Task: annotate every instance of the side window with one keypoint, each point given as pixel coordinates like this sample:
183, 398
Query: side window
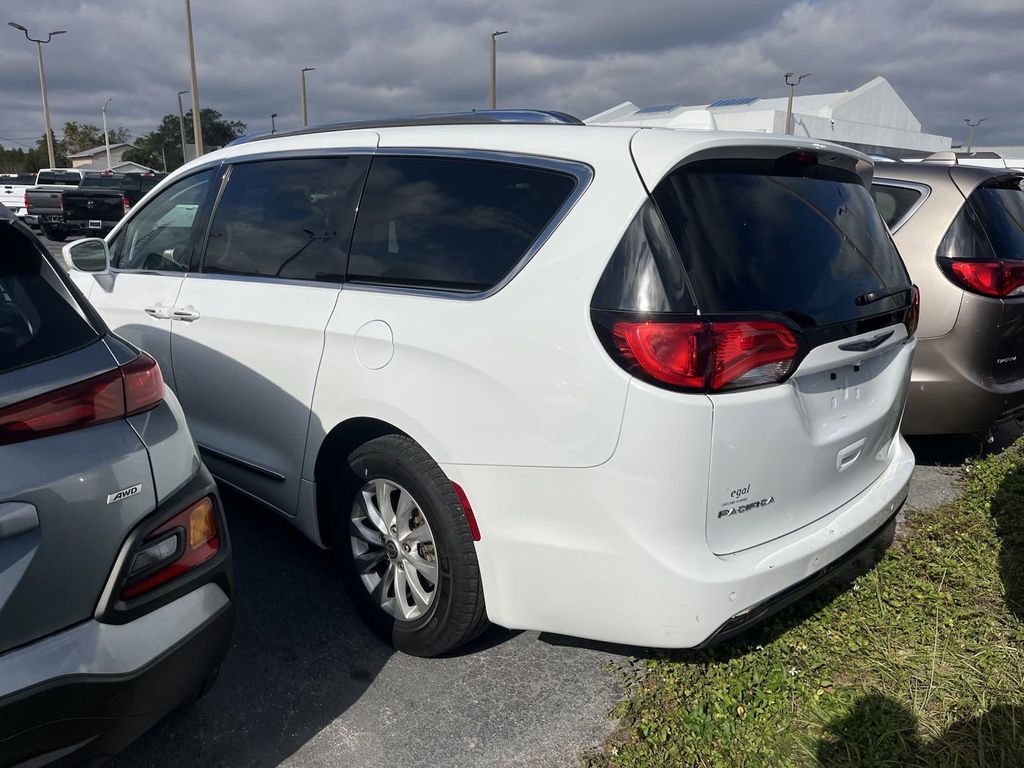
286, 218
893, 203
158, 237
452, 224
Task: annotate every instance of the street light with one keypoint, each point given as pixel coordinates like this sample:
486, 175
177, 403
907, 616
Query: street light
970, 133
789, 106
181, 127
273, 125
302, 77
106, 136
197, 128
494, 57
42, 84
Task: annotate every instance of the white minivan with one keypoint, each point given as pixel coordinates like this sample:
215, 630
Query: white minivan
632, 385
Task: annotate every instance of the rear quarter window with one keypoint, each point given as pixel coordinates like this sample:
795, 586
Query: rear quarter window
451, 223
39, 318
894, 202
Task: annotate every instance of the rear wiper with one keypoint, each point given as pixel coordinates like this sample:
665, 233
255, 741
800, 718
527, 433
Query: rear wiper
872, 296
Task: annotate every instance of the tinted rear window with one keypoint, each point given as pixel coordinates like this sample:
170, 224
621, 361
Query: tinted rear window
48, 177
19, 179
999, 206
451, 224
39, 318
893, 203
103, 182
803, 241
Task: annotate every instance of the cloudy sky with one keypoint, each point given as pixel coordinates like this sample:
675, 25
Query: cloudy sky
948, 59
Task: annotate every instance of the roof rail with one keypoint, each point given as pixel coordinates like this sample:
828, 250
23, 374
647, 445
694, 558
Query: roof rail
476, 117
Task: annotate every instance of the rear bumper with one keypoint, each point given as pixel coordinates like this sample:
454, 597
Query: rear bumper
619, 552
104, 685
88, 691
79, 226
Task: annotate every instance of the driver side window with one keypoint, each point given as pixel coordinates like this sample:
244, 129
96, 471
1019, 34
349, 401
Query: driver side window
158, 237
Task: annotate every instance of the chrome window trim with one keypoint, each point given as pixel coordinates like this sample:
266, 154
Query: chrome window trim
582, 172
924, 189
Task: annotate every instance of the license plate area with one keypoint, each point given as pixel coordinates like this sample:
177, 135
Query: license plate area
95, 224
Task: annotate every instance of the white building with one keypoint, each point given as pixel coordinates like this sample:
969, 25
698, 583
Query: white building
872, 118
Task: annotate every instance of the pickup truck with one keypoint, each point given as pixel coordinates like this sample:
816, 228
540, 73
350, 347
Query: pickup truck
102, 200
12, 190
44, 203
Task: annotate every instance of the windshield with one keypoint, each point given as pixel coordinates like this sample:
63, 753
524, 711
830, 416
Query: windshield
1000, 207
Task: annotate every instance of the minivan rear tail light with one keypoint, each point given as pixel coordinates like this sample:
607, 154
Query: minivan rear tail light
183, 543
1001, 279
913, 315
706, 355
133, 388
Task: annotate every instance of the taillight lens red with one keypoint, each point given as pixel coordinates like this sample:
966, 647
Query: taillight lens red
132, 388
125, 203
184, 542
27, 206
708, 355
914, 313
1002, 279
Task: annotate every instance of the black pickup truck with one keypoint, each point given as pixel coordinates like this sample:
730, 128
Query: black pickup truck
101, 201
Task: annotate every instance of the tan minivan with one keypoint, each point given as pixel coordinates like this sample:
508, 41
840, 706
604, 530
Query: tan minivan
960, 231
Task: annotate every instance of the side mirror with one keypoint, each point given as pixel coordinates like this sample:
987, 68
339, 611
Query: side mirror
88, 255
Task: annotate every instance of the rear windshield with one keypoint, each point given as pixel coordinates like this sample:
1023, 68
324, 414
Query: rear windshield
39, 319
805, 241
67, 179
20, 179
999, 206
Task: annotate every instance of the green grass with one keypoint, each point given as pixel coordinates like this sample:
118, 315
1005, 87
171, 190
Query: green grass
919, 662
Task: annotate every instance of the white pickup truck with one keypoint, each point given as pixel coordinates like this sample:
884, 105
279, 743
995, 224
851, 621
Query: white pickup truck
12, 190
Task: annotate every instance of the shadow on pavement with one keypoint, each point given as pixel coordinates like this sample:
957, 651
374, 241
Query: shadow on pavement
300, 655
954, 450
880, 731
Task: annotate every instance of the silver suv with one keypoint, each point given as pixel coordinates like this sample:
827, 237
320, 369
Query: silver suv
960, 231
115, 573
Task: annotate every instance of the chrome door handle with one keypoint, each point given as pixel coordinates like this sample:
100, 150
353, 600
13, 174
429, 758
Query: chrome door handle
159, 311
185, 315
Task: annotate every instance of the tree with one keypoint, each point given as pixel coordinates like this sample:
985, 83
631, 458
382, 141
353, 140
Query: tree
165, 141
79, 137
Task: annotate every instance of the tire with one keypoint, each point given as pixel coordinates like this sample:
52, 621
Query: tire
57, 235
426, 618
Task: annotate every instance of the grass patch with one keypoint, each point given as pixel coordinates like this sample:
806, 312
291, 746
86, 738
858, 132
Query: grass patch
919, 662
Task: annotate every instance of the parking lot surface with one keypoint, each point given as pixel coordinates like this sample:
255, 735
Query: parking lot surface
306, 684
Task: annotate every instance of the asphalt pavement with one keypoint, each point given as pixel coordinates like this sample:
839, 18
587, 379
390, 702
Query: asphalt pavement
306, 684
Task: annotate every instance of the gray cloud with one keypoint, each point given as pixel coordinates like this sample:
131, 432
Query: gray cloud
948, 59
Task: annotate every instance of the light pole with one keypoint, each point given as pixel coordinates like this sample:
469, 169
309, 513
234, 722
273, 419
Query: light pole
197, 128
181, 127
494, 64
42, 84
302, 78
970, 133
106, 136
273, 125
789, 106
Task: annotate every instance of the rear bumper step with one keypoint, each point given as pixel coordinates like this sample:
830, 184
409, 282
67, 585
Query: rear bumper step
767, 608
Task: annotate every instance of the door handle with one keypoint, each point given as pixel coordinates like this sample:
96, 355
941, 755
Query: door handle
159, 311
185, 315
